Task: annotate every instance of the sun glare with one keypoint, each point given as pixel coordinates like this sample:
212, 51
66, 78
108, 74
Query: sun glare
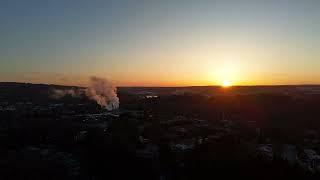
226, 83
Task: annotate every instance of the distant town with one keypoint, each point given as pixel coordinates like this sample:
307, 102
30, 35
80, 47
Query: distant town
160, 133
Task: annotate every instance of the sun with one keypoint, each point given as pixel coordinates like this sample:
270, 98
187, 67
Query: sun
226, 83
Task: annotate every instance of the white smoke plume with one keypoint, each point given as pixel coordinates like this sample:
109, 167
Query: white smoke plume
99, 89
103, 92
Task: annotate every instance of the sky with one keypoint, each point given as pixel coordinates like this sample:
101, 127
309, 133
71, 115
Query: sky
161, 43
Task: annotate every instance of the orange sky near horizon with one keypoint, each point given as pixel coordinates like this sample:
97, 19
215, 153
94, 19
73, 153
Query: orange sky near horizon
161, 43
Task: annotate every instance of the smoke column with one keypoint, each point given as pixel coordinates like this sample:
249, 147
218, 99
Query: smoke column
103, 92
99, 89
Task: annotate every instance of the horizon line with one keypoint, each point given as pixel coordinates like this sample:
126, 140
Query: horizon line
188, 86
